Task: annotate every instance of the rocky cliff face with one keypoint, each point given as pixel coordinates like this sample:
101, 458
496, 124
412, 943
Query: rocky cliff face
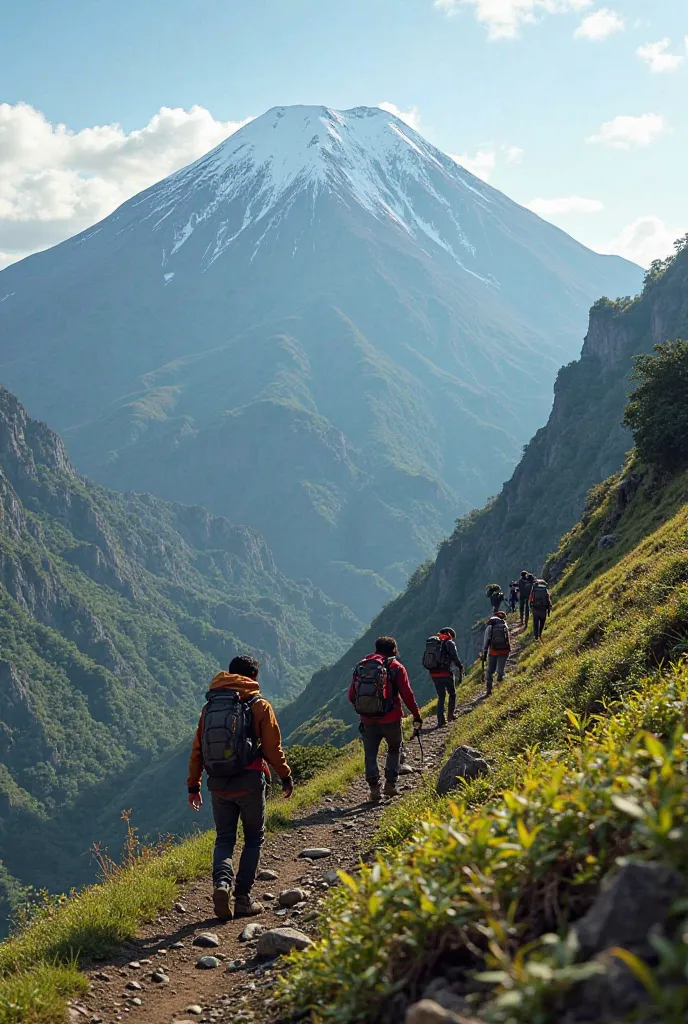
115, 612
582, 444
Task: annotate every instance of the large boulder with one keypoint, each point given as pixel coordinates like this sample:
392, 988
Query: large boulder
635, 898
282, 940
464, 763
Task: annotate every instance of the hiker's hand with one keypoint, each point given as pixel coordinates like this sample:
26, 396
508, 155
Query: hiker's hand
195, 801
418, 724
287, 787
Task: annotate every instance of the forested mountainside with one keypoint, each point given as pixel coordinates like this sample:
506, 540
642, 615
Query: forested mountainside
115, 612
581, 445
319, 329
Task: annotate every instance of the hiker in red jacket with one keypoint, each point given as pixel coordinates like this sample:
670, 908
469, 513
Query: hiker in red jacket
380, 683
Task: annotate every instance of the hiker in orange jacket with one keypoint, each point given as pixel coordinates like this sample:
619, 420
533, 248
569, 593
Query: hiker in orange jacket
237, 738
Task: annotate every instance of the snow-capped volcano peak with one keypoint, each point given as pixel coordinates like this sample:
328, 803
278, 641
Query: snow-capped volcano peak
363, 156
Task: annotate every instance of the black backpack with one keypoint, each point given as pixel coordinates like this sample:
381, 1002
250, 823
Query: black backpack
540, 598
499, 637
229, 742
374, 689
436, 656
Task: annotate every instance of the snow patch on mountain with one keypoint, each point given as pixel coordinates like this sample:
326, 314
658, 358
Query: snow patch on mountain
363, 156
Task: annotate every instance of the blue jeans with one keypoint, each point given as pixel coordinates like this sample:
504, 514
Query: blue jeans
496, 663
227, 812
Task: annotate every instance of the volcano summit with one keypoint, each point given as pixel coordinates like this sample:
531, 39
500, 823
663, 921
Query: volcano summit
325, 328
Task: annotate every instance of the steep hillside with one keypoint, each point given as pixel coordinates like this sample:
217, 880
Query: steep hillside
582, 443
115, 612
567, 859
325, 328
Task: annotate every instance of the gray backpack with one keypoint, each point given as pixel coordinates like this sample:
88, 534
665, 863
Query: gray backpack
540, 597
436, 656
499, 637
228, 743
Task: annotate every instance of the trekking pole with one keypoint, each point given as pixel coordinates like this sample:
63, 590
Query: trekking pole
416, 733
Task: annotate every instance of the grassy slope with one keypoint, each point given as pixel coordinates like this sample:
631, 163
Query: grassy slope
581, 445
547, 822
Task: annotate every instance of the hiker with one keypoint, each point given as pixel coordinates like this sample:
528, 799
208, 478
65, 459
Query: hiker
440, 654
496, 648
525, 585
513, 595
496, 596
237, 734
379, 684
540, 606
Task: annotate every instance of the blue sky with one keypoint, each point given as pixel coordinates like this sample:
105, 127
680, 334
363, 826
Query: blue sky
576, 107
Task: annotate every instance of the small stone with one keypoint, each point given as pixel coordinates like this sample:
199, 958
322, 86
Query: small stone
95, 1019
135, 1001
208, 940
180, 908
195, 1009
282, 940
251, 931
464, 763
331, 877
315, 853
406, 769
135, 965
177, 945
266, 875
102, 976
134, 985
281, 913
208, 963
268, 896
427, 1011
160, 978
235, 965
290, 897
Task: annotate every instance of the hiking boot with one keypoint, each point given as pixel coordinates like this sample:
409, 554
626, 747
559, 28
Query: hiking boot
451, 718
488, 691
244, 906
441, 723
375, 792
390, 789
223, 911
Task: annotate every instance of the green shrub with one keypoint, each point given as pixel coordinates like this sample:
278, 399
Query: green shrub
482, 883
657, 411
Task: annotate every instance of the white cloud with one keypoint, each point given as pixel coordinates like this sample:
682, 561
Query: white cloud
504, 18
626, 131
55, 182
564, 204
482, 163
657, 58
411, 117
513, 154
599, 25
646, 239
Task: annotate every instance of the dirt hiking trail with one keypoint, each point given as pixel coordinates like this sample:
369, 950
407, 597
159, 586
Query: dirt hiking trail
122, 987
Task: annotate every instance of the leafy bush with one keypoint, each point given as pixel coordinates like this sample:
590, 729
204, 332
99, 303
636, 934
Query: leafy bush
657, 411
482, 883
307, 762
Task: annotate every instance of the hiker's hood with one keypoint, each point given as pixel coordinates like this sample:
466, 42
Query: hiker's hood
228, 681
445, 636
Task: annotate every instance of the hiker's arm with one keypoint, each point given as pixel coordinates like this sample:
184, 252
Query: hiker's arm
454, 658
193, 782
486, 638
352, 694
270, 738
406, 693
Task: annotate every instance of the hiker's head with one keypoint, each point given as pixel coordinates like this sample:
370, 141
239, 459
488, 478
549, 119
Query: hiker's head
448, 631
524, 574
531, 578
501, 615
245, 665
386, 645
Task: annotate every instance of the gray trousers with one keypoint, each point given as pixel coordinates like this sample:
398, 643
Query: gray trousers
373, 735
228, 812
496, 663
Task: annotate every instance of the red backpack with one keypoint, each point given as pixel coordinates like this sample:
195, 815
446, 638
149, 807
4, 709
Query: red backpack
374, 689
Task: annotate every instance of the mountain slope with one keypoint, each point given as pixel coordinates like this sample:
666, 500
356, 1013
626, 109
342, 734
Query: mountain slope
581, 445
115, 612
324, 328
